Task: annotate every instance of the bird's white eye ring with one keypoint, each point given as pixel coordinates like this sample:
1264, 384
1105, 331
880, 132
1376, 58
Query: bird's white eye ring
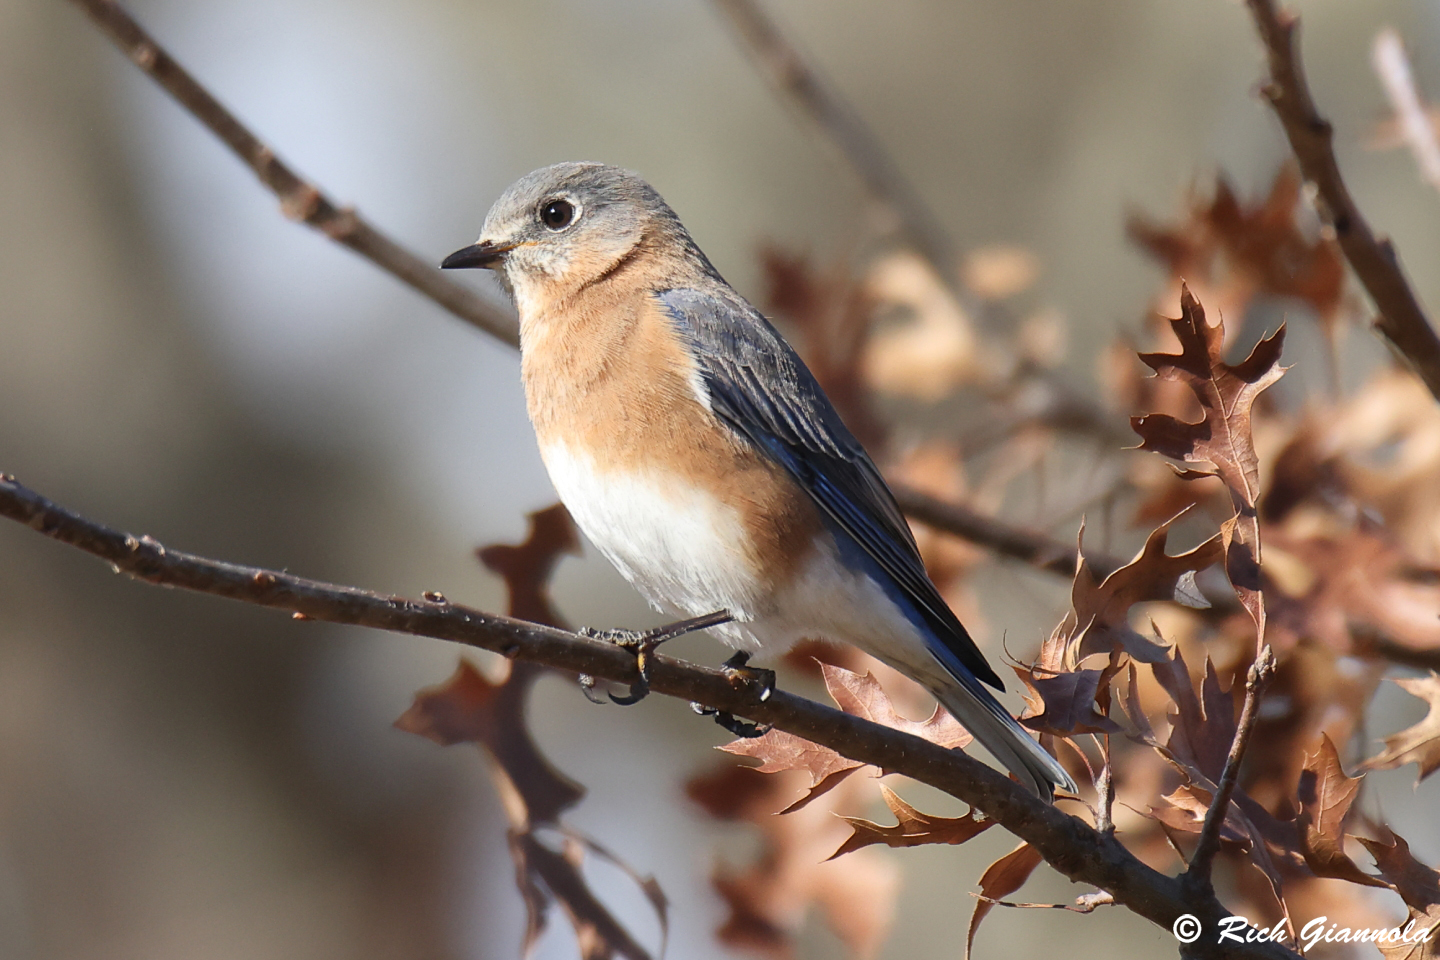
557, 214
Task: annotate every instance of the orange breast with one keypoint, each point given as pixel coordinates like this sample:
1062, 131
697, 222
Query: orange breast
605, 373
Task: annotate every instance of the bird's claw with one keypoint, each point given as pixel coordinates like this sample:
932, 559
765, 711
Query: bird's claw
743, 729
643, 643
739, 673
587, 687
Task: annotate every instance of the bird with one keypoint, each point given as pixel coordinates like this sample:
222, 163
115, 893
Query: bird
698, 453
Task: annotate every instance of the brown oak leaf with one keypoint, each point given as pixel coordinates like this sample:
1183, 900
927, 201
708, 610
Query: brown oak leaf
1064, 703
861, 695
1418, 885
1098, 619
767, 900
1326, 795
1419, 744
527, 567
1220, 444
1202, 728
912, 828
1262, 243
470, 708
778, 751
1001, 878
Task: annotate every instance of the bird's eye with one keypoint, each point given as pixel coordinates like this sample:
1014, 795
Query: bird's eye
557, 214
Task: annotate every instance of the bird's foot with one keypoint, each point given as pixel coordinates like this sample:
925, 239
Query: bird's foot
743, 729
740, 673
761, 681
644, 643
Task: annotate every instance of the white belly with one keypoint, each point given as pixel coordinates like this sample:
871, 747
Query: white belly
685, 551
681, 548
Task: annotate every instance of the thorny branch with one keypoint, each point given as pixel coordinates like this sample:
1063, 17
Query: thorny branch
1402, 320
1071, 846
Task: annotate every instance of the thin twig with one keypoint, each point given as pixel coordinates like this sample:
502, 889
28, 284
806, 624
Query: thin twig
802, 85
1067, 843
299, 199
1105, 788
1018, 543
1402, 320
1085, 903
1197, 875
1417, 129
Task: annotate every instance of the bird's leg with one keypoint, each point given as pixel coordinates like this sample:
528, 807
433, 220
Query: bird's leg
643, 644
739, 672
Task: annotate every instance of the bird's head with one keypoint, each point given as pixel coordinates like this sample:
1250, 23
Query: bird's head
566, 226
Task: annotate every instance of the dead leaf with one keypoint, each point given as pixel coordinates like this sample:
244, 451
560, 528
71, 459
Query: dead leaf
547, 876
1202, 729
1001, 878
934, 348
1261, 245
1417, 884
1099, 616
1419, 744
778, 751
912, 828
527, 567
1326, 795
1000, 271
768, 899
1063, 704
1221, 444
863, 696
469, 708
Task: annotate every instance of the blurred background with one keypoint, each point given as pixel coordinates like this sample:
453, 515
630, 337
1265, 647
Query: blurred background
182, 777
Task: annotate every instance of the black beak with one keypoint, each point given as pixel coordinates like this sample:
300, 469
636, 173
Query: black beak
485, 254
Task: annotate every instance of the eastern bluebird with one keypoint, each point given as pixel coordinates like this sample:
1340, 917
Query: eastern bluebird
698, 453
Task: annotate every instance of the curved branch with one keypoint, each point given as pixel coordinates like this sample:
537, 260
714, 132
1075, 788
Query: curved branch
1073, 847
1402, 320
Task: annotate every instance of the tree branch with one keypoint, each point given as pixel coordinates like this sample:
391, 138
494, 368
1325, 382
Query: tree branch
299, 199
1402, 320
1071, 846
1017, 543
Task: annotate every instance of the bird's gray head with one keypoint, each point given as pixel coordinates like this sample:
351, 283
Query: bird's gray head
565, 226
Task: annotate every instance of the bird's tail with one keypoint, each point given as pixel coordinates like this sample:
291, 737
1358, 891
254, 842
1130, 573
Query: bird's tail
1000, 733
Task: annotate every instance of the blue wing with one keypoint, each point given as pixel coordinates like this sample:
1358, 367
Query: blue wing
761, 389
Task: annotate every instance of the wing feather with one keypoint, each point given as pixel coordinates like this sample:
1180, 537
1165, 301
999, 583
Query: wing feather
760, 387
